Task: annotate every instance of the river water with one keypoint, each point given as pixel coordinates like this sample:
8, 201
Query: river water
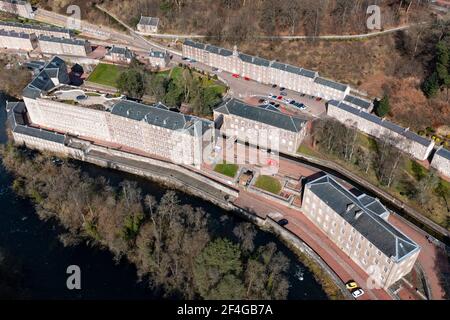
43, 260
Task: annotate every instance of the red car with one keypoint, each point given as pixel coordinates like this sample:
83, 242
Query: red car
235, 75
247, 78
280, 97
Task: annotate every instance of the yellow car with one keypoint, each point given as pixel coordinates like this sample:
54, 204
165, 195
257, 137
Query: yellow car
351, 285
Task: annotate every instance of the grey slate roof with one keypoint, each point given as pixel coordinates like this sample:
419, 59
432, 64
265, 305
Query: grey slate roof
267, 116
442, 152
331, 84
150, 21
76, 42
13, 34
381, 122
194, 44
121, 51
157, 54
374, 228
55, 68
362, 103
18, 125
34, 27
154, 115
15, 2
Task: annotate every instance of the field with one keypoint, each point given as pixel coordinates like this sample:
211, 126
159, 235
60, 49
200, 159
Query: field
269, 184
227, 169
106, 74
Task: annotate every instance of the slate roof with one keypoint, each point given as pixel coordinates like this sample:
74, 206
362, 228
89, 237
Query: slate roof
194, 44
383, 123
362, 103
361, 216
150, 21
18, 124
56, 68
331, 84
121, 51
442, 152
14, 34
267, 116
76, 42
15, 1
157, 54
157, 115
34, 27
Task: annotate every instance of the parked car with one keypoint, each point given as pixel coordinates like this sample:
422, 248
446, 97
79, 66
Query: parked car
282, 88
280, 97
292, 102
302, 94
215, 69
184, 58
193, 61
283, 222
247, 78
283, 93
273, 97
319, 99
272, 103
235, 75
274, 86
261, 101
354, 289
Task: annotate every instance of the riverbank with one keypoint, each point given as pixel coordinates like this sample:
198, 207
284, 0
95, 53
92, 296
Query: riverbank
96, 230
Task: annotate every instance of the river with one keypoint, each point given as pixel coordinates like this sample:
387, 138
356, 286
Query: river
43, 260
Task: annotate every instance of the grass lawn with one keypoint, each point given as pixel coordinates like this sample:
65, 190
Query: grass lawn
269, 184
227, 169
106, 74
211, 84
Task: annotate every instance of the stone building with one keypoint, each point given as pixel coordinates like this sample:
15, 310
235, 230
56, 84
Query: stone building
119, 55
64, 46
259, 126
17, 41
407, 141
159, 59
441, 161
143, 128
36, 29
21, 8
35, 138
148, 25
265, 71
358, 225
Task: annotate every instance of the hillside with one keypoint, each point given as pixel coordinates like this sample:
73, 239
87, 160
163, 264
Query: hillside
395, 64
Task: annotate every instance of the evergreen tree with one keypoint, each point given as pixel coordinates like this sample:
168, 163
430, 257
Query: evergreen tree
383, 106
431, 85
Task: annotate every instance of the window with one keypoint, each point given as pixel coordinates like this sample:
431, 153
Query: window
376, 261
364, 262
379, 252
367, 253
385, 269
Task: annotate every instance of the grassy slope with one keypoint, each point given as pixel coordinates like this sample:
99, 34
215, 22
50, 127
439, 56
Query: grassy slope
106, 74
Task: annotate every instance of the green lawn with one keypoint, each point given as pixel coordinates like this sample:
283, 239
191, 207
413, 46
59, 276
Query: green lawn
269, 184
106, 74
227, 169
